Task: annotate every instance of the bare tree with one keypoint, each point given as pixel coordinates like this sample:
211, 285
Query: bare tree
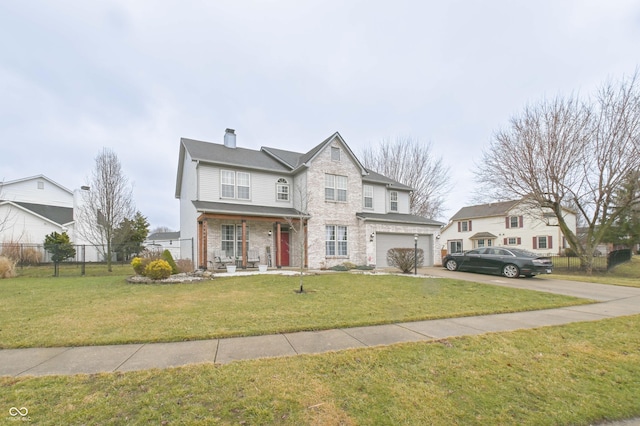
412, 163
107, 203
567, 153
297, 223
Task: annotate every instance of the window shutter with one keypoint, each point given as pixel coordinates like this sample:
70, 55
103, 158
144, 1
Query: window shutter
535, 243
506, 222
506, 241
521, 220
549, 242
519, 240
469, 226
459, 227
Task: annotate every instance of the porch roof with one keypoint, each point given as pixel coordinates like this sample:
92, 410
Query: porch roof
245, 209
481, 235
398, 218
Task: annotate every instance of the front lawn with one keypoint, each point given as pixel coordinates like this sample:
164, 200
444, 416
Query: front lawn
577, 374
76, 311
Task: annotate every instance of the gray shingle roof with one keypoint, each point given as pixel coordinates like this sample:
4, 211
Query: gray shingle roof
374, 177
59, 215
398, 218
239, 157
164, 236
244, 209
485, 210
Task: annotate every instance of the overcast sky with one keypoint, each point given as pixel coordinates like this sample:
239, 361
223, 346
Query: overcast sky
136, 76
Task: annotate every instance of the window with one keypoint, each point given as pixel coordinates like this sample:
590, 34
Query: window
484, 243
367, 192
512, 241
232, 240
464, 226
282, 190
336, 240
393, 201
228, 180
243, 185
455, 246
40, 184
235, 184
514, 222
544, 242
335, 188
335, 153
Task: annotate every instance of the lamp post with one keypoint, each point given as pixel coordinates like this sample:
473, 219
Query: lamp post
415, 254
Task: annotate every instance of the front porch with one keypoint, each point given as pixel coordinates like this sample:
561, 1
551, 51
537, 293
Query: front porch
250, 241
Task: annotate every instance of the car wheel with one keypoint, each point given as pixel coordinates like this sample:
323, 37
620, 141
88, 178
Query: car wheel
451, 265
511, 271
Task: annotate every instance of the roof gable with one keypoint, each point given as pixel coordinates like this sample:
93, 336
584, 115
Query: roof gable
36, 177
54, 214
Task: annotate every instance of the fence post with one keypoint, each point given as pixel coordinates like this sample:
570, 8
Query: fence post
83, 260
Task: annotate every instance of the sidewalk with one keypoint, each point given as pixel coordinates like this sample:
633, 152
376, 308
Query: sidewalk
613, 301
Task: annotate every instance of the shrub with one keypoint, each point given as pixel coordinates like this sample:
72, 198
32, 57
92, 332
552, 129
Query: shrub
569, 252
31, 255
158, 270
7, 267
166, 256
11, 250
340, 268
139, 265
184, 265
404, 258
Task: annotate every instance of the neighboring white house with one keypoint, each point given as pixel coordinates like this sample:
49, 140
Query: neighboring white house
33, 207
283, 205
509, 223
161, 241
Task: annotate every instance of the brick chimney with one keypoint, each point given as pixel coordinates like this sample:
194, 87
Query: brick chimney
230, 138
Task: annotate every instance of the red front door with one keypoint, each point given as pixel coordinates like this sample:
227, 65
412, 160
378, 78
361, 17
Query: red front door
284, 247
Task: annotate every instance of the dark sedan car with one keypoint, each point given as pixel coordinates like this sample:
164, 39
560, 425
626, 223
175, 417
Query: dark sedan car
499, 260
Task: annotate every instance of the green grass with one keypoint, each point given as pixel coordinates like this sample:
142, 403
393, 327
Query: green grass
625, 274
75, 311
578, 374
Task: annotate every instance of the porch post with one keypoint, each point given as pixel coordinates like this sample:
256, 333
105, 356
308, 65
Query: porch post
202, 244
306, 244
244, 244
278, 246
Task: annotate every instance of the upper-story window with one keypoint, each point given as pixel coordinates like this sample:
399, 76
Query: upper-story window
40, 184
393, 201
235, 184
335, 188
464, 226
282, 190
335, 153
367, 194
514, 222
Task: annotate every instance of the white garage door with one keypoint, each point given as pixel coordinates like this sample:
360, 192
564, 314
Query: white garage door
384, 242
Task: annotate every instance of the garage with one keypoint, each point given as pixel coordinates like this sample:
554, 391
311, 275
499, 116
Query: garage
385, 241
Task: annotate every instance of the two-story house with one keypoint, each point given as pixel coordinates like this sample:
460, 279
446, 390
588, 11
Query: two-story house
33, 207
320, 207
514, 223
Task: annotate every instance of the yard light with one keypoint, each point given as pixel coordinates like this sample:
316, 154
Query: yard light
415, 254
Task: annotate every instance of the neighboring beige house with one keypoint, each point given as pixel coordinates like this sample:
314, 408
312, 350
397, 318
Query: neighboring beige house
282, 205
509, 223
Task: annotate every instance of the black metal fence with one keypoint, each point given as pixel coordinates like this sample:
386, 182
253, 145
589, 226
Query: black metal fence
29, 254
600, 263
